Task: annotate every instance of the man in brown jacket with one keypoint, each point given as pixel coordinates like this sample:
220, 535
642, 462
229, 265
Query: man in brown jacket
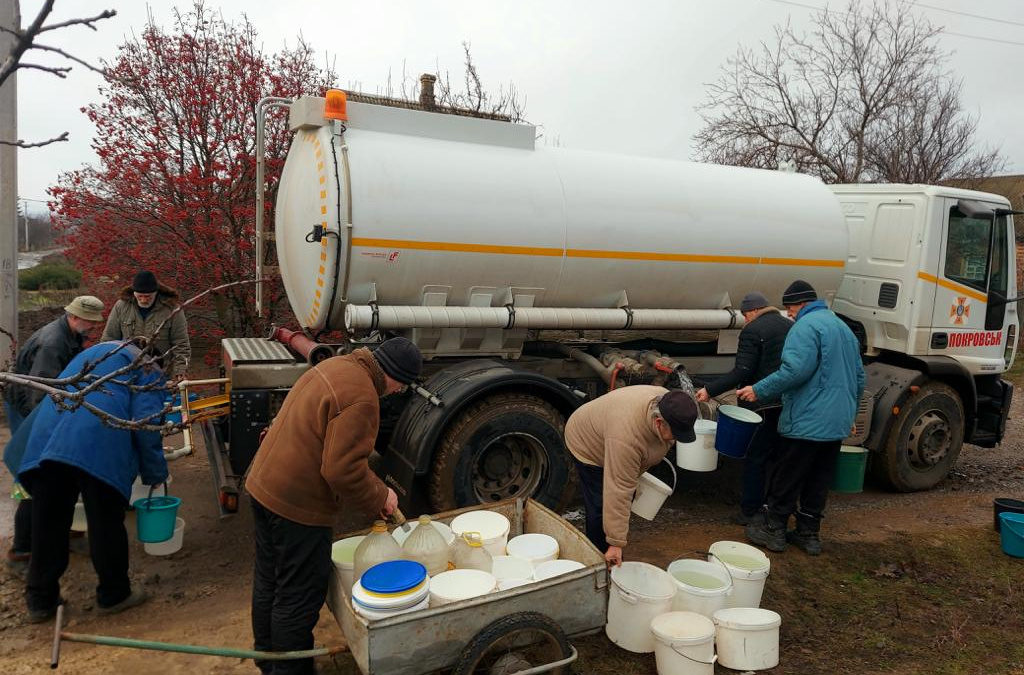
314, 458
615, 438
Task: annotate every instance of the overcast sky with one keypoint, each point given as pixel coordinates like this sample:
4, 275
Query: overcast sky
598, 74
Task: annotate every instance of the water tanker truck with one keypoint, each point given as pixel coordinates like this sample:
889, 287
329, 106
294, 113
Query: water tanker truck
534, 279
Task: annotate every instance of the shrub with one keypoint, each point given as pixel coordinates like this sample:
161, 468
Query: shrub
45, 276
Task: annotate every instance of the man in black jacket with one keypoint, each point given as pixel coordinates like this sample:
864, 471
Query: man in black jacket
45, 354
758, 354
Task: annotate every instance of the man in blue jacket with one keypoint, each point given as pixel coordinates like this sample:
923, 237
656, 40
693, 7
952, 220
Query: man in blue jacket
68, 453
821, 380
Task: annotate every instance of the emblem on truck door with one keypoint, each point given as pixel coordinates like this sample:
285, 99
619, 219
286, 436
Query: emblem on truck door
960, 311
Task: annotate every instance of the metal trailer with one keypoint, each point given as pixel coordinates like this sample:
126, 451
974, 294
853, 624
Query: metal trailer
490, 633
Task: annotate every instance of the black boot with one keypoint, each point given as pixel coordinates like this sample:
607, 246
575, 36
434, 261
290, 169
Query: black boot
765, 532
805, 536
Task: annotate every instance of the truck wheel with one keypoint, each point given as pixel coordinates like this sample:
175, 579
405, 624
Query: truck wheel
925, 440
512, 644
505, 446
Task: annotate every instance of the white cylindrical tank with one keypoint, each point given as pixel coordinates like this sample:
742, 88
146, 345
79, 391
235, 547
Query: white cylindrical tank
466, 212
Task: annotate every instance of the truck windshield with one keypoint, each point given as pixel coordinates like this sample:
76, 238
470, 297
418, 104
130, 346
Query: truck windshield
967, 249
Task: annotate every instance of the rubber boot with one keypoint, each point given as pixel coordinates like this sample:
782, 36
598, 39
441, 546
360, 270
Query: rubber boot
767, 533
805, 536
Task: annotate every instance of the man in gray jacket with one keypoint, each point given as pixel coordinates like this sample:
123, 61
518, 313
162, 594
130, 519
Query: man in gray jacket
144, 307
45, 354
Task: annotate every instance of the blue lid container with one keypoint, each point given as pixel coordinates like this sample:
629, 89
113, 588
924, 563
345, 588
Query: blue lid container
394, 576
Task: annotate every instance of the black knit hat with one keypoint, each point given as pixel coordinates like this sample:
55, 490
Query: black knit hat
400, 358
798, 293
679, 409
145, 282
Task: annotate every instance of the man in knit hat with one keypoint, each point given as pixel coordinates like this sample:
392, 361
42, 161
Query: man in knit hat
758, 354
312, 461
821, 380
144, 307
45, 354
615, 438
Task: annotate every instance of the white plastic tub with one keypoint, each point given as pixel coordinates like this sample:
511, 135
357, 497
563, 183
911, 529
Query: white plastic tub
684, 644
651, 493
375, 614
455, 585
172, 545
748, 567
700, 455
492, 526
508, 568
553, 568
343, 556
638, 593
747, 638
702, 587
533, 547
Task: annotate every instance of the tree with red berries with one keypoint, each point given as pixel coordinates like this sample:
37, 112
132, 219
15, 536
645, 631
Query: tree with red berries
173, 188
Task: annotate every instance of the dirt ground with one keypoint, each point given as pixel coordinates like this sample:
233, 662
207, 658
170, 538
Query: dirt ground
908, 583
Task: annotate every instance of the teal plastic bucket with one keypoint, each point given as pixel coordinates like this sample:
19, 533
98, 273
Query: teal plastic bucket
155, 517
736, 426
1011, 532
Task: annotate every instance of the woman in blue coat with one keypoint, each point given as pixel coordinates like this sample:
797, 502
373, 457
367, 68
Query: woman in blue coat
68, 453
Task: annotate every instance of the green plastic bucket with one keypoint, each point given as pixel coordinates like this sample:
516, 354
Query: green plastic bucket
1011, 533
155, 518
849, 475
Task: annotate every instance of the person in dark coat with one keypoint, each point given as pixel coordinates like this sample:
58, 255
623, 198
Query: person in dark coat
821, 381
758, 355
68, 453
45, 354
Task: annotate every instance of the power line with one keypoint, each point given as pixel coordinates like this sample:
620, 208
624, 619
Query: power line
944, 31
973, 16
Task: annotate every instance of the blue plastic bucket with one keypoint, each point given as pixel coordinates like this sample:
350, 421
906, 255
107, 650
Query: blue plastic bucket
1011, 532
154, 518
736, 426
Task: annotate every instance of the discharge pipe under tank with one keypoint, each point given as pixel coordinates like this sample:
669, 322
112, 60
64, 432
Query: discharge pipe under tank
301, 344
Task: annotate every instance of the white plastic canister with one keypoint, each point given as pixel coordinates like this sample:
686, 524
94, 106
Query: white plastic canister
684, 644
747, 638
701, 586
749, 568
700, 455
639, 592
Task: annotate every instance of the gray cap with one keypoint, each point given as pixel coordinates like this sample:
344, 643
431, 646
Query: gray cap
87, 307
753, 300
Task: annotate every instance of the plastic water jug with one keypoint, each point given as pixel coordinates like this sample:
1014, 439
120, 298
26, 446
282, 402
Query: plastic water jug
379, 546
427, 546
471, 554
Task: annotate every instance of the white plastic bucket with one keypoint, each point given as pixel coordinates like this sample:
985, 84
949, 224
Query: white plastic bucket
493, 528
749, 568
684, 644
533, 547
747, 638
508, 568
700, 455
79, 522
343, 556
639, 592
553, 568
651, 493
375, 614
172, 545
455, 585
702, 587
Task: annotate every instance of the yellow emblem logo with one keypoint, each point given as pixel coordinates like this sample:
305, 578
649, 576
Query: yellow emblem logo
960, 311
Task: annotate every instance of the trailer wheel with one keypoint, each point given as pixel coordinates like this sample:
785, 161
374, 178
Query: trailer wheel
512, 644
503, 447
925, 440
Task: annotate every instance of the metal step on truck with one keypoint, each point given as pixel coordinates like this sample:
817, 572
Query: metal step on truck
534, 279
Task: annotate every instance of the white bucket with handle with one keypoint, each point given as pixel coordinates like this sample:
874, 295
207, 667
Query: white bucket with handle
748, 567
702, 587
700, 455
684, 644
639, 592
651, 493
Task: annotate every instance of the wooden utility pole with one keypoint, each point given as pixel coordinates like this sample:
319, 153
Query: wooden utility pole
10, 18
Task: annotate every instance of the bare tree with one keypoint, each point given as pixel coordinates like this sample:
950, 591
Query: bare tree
25, 42
863, 96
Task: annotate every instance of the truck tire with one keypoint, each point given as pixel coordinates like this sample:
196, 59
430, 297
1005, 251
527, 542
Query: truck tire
505, 446
925, 440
